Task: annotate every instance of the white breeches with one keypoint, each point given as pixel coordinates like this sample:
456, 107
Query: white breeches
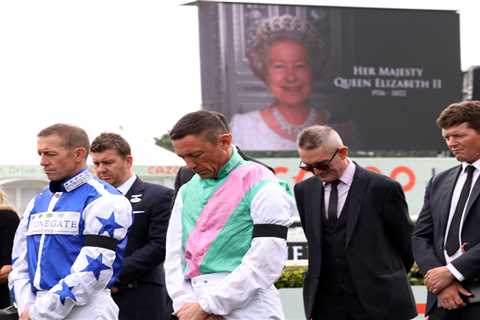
265, 305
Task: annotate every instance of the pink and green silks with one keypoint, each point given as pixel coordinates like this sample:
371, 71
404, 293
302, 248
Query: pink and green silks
216, 222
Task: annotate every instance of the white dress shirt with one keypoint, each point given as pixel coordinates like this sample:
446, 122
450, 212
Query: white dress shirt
455, 197
343, 187
124, 187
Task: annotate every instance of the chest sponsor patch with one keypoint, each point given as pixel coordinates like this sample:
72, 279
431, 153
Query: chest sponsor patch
64, 222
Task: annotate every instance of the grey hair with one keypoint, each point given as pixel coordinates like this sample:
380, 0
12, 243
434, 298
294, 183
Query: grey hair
72, 136
316, 136
286, 28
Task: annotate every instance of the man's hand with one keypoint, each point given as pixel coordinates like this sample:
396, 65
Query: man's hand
214, 317
4, 271
25, 315
192, 311
438, 278
450, 297
114, 290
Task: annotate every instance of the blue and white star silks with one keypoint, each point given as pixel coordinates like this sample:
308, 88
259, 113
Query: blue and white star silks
109, 225
65, 293
96, 266
59, 273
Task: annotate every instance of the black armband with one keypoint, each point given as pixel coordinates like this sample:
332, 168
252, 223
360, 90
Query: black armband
270, 230
92, 240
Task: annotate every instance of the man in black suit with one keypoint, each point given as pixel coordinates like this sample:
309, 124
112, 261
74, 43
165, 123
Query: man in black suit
446, 239
358, 232
140, 288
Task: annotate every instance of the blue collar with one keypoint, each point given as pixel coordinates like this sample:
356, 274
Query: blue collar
70, 183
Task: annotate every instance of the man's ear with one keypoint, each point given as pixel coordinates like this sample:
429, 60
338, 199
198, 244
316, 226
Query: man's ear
129, 160
343, 152
80, 154
225, 139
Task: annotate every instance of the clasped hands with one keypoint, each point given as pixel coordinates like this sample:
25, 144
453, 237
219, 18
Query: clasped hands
4, 271
193, 311
449, 291
25, 315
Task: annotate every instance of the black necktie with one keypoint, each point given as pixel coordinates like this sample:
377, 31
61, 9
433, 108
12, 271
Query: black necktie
453, 241
333, 202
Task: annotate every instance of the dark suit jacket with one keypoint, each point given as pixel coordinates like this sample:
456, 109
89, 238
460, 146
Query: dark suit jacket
429, 234
142, 292
145, 250
378, 251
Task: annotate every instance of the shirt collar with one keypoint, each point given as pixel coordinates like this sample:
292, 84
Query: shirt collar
70, 183
476, 164
347, 176
124, 187
348, 173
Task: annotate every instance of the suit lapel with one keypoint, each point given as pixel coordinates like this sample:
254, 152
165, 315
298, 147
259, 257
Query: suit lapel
444, 198
135, 193
315, 199
354, 199
473, 196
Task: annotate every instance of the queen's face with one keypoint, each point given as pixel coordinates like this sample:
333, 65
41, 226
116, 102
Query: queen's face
288, 73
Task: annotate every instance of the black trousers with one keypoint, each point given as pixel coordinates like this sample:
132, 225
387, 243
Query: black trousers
147, 301
338, 306
4, 296
469, 312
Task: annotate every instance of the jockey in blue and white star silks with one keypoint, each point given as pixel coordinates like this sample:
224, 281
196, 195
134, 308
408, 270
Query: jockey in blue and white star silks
68, 250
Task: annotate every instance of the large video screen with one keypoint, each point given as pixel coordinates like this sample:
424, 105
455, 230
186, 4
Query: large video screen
380, 77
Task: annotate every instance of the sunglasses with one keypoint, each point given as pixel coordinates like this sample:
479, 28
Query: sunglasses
321, 165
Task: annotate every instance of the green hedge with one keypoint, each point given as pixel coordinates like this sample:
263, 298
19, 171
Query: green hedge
292, 277
414, 276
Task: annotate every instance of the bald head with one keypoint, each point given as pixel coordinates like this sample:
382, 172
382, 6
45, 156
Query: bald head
322, 152
319, 136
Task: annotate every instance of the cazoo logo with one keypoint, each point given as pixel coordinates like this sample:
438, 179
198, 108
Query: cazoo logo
403, 174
